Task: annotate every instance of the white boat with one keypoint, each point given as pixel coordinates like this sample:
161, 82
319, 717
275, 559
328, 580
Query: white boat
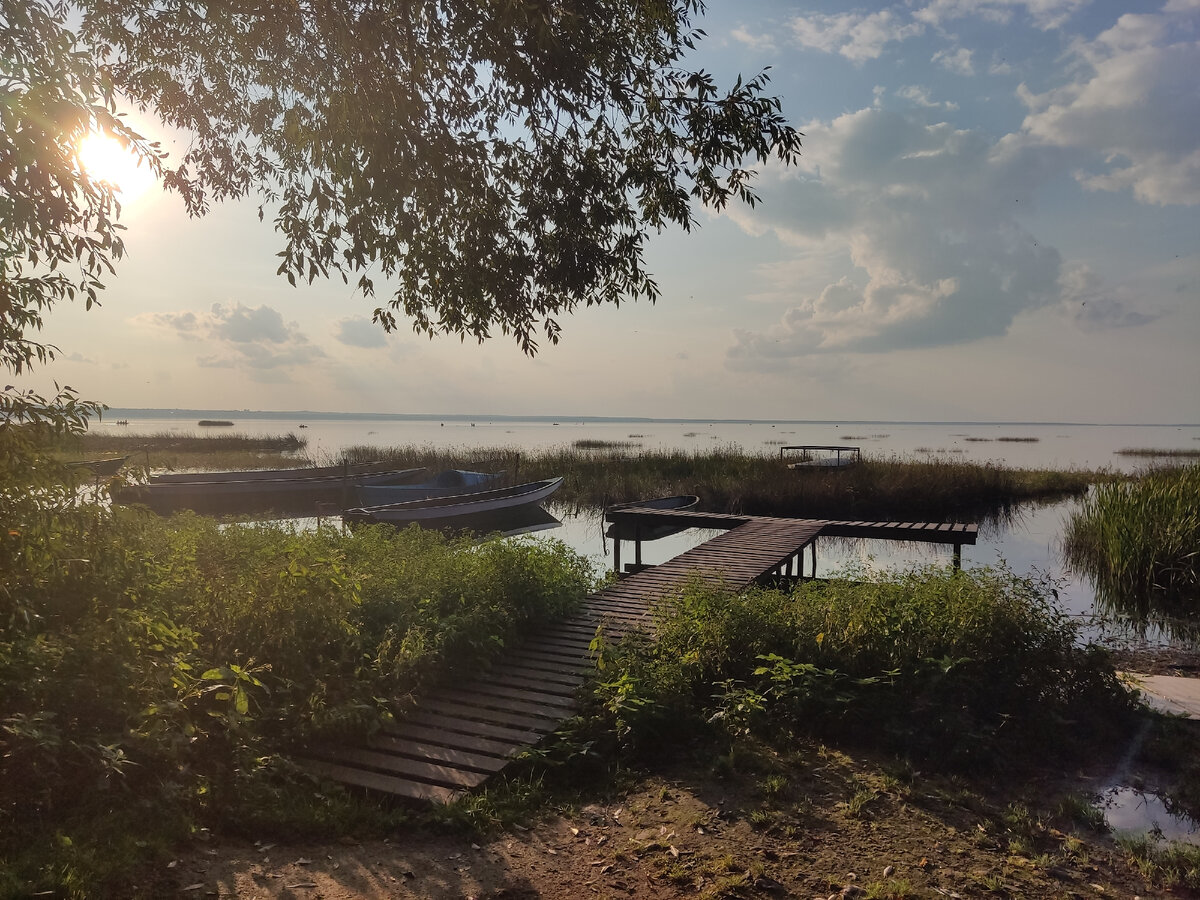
441, 510
444, 484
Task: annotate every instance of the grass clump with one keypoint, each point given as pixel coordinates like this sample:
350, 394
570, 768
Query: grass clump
960, 668
1171, 864
1139, 541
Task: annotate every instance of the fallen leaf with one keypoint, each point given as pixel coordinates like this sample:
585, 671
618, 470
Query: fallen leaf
674, 852
193, 887
574, 831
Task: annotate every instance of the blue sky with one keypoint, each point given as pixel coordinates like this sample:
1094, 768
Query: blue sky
996, 217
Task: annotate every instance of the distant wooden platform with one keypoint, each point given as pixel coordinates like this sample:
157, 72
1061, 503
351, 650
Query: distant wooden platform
835, 456
459, 735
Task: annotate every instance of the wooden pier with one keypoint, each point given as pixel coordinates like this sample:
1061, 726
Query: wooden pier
459, 735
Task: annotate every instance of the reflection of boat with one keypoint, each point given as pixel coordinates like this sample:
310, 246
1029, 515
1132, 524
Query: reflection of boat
438, 510
626, 531
444, 484
226, 492
101, 468
508, 522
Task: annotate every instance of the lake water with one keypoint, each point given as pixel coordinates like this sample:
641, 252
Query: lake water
1029, 544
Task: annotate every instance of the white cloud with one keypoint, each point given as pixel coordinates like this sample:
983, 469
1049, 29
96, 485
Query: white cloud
256, 339
1086, 303
1133, 106
920, 96
360, 333
856, 36
1046, 14
936, 253
242, 324
760, 42
956, 61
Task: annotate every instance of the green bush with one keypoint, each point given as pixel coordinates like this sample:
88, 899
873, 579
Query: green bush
959, 667
153, 669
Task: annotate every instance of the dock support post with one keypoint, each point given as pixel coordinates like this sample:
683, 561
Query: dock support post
617, 555
957, 557
637, 545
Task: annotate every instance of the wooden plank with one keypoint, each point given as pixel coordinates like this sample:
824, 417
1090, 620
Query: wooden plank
553, 713
410, 730
529, 667
523, 694
451, 723
512, 679
462, 710
392, 764
460, 759
388, 784
566, 665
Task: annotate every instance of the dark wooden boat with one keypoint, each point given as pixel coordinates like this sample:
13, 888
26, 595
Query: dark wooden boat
226, 493
437, 511
344, 469
629, 532
101, 468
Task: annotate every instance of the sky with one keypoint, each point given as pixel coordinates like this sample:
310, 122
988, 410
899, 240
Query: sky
996, 217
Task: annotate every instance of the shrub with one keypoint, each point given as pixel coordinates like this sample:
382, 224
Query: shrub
958, 667
156, 668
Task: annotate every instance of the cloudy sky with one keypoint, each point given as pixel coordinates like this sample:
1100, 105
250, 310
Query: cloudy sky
997, 217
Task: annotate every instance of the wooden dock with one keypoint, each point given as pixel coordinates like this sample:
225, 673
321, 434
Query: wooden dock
459, 735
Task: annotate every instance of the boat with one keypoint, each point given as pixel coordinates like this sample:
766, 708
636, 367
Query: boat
438, 511
101, 468
630, 531
444, 484
224, 492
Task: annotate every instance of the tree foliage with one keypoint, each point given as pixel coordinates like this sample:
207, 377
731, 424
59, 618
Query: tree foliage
495, 163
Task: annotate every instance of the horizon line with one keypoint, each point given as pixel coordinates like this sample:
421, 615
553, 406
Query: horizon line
117, 411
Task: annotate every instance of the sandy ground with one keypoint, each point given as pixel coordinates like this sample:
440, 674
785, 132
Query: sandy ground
834, 828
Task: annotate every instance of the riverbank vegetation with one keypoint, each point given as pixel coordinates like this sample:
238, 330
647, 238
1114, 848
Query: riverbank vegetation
731, 480
956, 670
154, 673
1139, 541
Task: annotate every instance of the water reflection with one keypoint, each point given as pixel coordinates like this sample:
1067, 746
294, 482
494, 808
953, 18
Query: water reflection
1132, 811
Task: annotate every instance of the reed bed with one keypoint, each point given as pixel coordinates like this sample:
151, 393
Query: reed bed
729, 480
1182, 452
177, 442
1140, 542
181, 451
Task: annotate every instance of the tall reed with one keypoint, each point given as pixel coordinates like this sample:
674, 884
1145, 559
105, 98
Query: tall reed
1140, 542
727, 479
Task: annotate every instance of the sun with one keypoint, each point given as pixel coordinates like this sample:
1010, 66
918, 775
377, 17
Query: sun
105, 159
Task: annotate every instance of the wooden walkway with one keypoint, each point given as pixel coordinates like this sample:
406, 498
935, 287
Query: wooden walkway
460, 734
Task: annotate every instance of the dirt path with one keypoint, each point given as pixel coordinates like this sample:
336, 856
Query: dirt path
833, 828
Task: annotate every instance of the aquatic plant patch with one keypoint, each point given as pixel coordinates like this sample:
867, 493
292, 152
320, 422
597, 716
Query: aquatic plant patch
1139, 541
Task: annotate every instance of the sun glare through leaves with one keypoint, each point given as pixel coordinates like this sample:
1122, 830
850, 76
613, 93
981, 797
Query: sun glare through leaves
106, 160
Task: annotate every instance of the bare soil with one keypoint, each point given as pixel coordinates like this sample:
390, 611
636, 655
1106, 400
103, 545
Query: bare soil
817, 824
